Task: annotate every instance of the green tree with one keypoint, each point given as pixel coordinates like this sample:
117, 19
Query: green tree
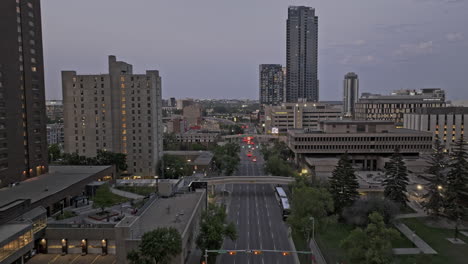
344, 184
278, 167
396, 179
54, 152
307, 203
226, 158
111, 158
103, 197
157, 246
372, 245
214, 229
438, 163
456, 190
173, 167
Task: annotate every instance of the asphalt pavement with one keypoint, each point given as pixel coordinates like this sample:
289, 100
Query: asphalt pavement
257, 215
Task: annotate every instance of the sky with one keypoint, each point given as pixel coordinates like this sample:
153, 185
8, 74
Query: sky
212, 48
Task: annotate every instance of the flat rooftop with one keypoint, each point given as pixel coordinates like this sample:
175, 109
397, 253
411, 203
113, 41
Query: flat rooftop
165, 212
12, 230
393, 131
40, 187
202, 157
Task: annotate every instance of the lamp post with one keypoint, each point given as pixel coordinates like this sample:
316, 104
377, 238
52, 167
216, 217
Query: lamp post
157, 184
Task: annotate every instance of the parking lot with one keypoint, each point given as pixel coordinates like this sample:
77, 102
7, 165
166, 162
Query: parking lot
72, 259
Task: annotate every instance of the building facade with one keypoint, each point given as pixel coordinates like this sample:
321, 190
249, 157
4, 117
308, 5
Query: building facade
23, 143
55, 133
350, 93
367, 143
445, 123
302, 55
392, 107
278, 119
193, 115
118, 112
54, 110
271, 84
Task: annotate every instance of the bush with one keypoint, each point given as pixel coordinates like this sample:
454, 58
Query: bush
358, 213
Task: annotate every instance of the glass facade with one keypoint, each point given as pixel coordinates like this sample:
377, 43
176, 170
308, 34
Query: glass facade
15, 245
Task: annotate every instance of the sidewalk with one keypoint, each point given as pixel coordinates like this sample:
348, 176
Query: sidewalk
126, 194
422, 246
317, 253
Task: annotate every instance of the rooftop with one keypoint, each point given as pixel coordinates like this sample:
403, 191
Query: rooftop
8, 231
202, 157
170, 212
40, 187
443, 110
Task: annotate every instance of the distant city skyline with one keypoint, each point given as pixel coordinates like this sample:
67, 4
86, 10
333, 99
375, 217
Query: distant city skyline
212, 49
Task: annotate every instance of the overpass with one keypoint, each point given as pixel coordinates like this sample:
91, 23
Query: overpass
248, 180
258, 137
281, 180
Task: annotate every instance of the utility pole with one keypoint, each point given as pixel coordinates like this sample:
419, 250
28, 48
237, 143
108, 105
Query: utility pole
206, 256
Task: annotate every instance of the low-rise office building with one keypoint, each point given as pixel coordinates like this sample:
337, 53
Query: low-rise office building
24, 207
367, 143
278, 119
193, 136
199, 161
392, 107
445, 123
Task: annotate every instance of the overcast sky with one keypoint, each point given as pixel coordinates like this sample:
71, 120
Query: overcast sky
212, 48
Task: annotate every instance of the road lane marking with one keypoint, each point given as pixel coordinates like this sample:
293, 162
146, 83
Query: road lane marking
95, 259
74, 259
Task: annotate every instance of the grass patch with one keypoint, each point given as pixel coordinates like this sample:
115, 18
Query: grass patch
65, 215
141, 190
436, 238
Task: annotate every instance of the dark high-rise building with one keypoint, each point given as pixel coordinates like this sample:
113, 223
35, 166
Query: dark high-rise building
271, 84
302, 55
23, 142
350, 93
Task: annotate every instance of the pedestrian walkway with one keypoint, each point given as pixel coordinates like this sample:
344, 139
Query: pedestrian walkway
421, 244
126, 194
317, 253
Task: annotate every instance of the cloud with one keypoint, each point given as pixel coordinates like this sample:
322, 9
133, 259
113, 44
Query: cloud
452, 37
359, 60
415, 49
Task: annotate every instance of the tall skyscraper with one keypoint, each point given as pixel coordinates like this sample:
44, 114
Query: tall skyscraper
23, 142
302, 55
271, 84
350, 93
119, 112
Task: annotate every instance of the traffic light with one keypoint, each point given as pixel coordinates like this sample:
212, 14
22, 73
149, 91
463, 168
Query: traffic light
285, 253
232, 252
257, 252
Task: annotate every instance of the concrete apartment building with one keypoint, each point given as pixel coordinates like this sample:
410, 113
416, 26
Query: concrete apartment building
54, 110
350, 93
119, 112
368, 143
392, 107
278, 119
302, 83
445, 123
271, 84
23, 143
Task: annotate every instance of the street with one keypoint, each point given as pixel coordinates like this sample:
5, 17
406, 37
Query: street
257, 216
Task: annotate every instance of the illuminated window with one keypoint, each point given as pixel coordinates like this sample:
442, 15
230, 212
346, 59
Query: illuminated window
122, 85
122, 78
124, 112
34, 69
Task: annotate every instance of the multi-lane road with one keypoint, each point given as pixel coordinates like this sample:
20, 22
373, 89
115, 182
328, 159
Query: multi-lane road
258, 218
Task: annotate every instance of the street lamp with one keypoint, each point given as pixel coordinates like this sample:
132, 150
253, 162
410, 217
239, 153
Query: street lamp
419, 187
157, 184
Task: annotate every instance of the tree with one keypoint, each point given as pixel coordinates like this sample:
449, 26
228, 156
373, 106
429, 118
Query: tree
396, 179
358, 213
226, 158
372, 245
157, 246
213, 229
278, 167
307, 203
455, 193
110, 158
343, 184
103, 197
173, 167
54, 152
434, 200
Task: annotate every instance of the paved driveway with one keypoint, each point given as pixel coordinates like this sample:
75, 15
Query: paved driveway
72, 259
